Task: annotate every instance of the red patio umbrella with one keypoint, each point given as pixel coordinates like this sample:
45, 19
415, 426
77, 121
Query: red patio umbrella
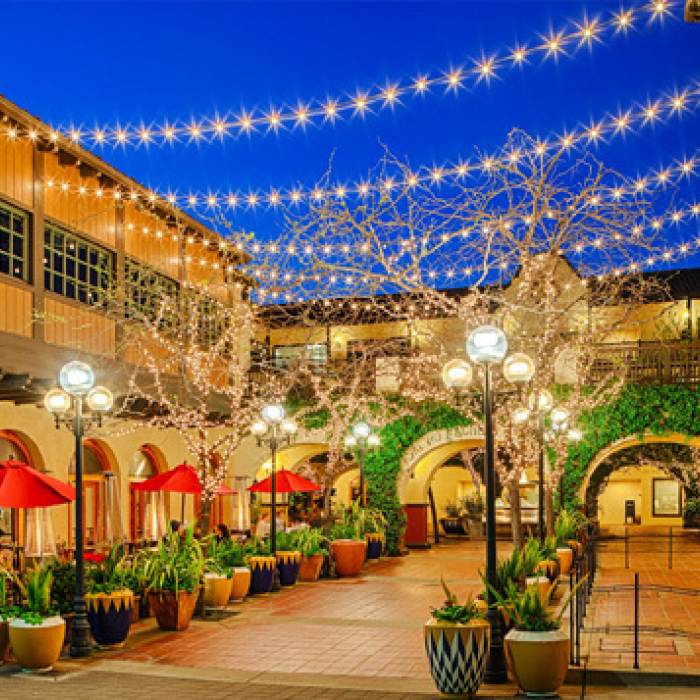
21, 486
180, 479
286, 482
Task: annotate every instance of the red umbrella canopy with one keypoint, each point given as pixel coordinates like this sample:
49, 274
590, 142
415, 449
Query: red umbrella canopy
21, 486
287, 482
180, 479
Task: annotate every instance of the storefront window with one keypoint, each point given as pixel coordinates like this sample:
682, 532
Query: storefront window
667, 498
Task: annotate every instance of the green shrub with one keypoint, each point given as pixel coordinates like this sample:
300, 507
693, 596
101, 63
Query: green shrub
110, 575
176, 565
63, 586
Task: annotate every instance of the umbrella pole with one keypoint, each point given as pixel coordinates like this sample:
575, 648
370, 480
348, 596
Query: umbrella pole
182, 508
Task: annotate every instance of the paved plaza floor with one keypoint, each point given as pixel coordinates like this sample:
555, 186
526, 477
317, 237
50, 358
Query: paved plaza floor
362, 638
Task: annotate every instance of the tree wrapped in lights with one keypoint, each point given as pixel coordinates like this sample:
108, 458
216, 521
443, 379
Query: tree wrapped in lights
542, 240
189, 357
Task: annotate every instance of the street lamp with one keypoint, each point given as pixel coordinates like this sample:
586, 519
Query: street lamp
67, 406
362, 438
279, 431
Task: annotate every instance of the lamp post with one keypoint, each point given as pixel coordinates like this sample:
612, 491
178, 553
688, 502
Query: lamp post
77, 382
362, 438
279, 431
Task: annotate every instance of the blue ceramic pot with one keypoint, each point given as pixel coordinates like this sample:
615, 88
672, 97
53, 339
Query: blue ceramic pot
288, 566
261, 574
109, 615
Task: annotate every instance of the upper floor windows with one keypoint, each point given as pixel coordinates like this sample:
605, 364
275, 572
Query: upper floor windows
148, 293
286, 355
75, 268
14, 242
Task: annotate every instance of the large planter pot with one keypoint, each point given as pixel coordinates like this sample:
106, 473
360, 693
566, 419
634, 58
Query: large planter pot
550, 569
538, 661
261, 574
37, 647
217, 590
173, 612
453, 525
109, 615
349, 556
288, 567
457, 655
240, 582
374, 545
565, 555
4, 640
310, 567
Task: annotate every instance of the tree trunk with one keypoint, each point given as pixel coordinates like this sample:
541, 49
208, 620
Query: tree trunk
516, 525
204, 520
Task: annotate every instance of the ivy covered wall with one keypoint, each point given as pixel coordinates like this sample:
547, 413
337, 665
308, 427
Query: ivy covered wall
382, 465
639, 409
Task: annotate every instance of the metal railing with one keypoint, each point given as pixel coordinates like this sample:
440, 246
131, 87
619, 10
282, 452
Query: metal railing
584, 570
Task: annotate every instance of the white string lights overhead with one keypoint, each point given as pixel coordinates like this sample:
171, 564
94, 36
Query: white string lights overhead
578, 35
624, 122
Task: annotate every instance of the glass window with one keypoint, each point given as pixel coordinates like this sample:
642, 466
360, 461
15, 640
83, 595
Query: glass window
286, 355
145, 290
75, 268
14, 242
667, 498
210, 319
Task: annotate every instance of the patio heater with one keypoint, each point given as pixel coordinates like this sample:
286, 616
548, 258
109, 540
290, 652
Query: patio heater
67, 405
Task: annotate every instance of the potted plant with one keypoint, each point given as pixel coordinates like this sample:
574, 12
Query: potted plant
531, 558
312, 545
537, 650
63, 591
457, 644
549, 562
172, 574
262, 567
232, 556
691, 513
452, 522
37, 631
135, 580
109, 600
374, 526
473, 507
565, 531
218, 579
288, 558
348, 545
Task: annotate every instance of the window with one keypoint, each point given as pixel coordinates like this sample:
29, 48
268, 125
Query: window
75, 268
667, 498
210, 318
285, 355
145, 288
14, 243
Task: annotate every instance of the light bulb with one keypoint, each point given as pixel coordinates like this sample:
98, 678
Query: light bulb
457, 374
100, 399
373, 440
559, 416
57, 401
273, 413
289, 427
361, 430
518, 368
520, 415
487, 344
259, 428
76, 378
350, 441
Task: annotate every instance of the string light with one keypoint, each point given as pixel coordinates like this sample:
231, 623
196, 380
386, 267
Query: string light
553, 46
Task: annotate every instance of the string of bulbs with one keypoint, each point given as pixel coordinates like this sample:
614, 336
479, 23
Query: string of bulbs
553, 45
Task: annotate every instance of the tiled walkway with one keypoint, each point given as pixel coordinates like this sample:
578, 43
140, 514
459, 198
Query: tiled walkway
673, 642
371, 626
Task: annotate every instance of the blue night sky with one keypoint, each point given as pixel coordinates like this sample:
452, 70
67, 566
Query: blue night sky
87, 63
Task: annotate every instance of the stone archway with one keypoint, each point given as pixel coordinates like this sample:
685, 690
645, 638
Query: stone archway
662, 454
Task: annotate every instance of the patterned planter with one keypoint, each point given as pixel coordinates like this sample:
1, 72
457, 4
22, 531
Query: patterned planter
310, 567
288, 565
538, 661
349, 556
240, 582
261, 574
453, 525
37, 647
173, 612
374, 545
109, 615
457, 655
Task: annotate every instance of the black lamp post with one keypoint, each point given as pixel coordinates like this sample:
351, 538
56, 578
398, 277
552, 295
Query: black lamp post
274, 430
362, 438
68, 408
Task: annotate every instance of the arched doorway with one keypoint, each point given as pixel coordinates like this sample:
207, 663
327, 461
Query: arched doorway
642, 484
148, 511
101, 511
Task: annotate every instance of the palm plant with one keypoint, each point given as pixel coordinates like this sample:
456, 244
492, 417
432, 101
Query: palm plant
531, 556
176, 565
454, 612
312, 541
36, 590
110, 575
567, 526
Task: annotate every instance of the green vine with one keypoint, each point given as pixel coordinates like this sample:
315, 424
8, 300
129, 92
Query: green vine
638, 410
